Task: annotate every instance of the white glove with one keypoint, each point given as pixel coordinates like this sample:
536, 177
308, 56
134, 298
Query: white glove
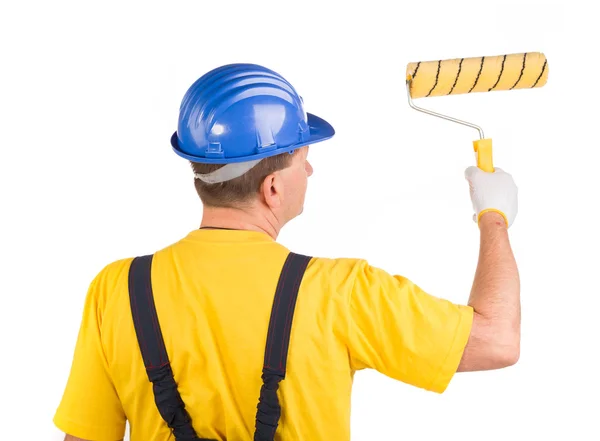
492, 192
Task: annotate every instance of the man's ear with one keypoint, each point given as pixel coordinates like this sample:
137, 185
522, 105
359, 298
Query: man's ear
272, 190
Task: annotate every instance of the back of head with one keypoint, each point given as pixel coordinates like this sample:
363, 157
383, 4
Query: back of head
237, 191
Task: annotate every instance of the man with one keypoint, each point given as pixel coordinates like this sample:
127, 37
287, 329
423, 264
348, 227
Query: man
193, 342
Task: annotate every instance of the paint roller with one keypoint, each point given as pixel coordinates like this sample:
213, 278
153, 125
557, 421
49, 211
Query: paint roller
470, 75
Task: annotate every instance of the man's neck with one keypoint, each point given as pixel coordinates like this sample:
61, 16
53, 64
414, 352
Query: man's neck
239, 219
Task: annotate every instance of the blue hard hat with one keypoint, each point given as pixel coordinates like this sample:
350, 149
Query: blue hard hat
243, 112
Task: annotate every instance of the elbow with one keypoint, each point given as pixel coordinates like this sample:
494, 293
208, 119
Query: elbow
507, 349
493, 344
508, 356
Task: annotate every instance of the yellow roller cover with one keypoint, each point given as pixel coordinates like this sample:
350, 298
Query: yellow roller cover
478, 74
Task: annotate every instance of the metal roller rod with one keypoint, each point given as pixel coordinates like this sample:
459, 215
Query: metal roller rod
439, 115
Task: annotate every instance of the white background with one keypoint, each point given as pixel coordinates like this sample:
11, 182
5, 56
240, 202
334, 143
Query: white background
89, 99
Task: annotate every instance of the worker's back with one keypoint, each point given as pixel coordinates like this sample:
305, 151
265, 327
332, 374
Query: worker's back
214, 293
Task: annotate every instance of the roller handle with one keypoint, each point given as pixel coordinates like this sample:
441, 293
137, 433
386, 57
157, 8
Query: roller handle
483, 153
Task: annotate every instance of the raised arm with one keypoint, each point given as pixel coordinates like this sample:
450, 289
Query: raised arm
494, 341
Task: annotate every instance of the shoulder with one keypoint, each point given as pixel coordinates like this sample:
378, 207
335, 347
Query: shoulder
109, 282
338, 273
341, 266
113, 272
359, 275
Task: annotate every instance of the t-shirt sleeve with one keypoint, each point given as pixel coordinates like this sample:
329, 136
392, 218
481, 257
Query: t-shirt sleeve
401, 331
90, 407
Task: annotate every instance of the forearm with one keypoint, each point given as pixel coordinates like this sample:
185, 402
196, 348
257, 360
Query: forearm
496, 287
495, 298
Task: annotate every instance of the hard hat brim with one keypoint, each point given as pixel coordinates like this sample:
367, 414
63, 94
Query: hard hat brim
320, 130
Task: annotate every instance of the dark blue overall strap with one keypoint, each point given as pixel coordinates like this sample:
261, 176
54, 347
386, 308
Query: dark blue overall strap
151, 343
278, 341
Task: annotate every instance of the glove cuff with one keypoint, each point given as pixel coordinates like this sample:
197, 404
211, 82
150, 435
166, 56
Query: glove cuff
487, 210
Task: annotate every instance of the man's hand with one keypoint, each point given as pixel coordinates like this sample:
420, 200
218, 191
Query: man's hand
492, 192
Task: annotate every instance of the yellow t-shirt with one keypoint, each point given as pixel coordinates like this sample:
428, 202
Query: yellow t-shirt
214, 291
